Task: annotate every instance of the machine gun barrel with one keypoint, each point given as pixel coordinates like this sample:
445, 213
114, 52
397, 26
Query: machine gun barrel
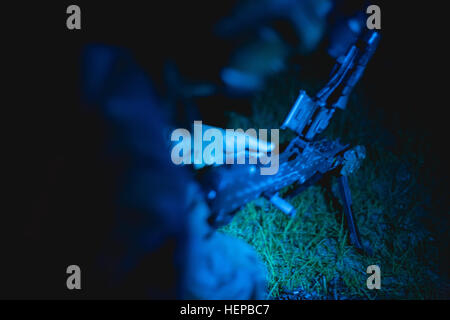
308, 117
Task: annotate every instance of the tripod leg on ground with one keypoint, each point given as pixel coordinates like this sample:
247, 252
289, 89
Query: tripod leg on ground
346, 197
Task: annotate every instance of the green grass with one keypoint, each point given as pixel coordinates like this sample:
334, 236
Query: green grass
309, 256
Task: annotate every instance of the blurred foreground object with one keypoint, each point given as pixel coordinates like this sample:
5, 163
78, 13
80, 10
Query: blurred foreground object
159, 244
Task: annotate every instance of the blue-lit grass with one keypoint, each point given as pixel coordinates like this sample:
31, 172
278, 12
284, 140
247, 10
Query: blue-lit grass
309, 256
